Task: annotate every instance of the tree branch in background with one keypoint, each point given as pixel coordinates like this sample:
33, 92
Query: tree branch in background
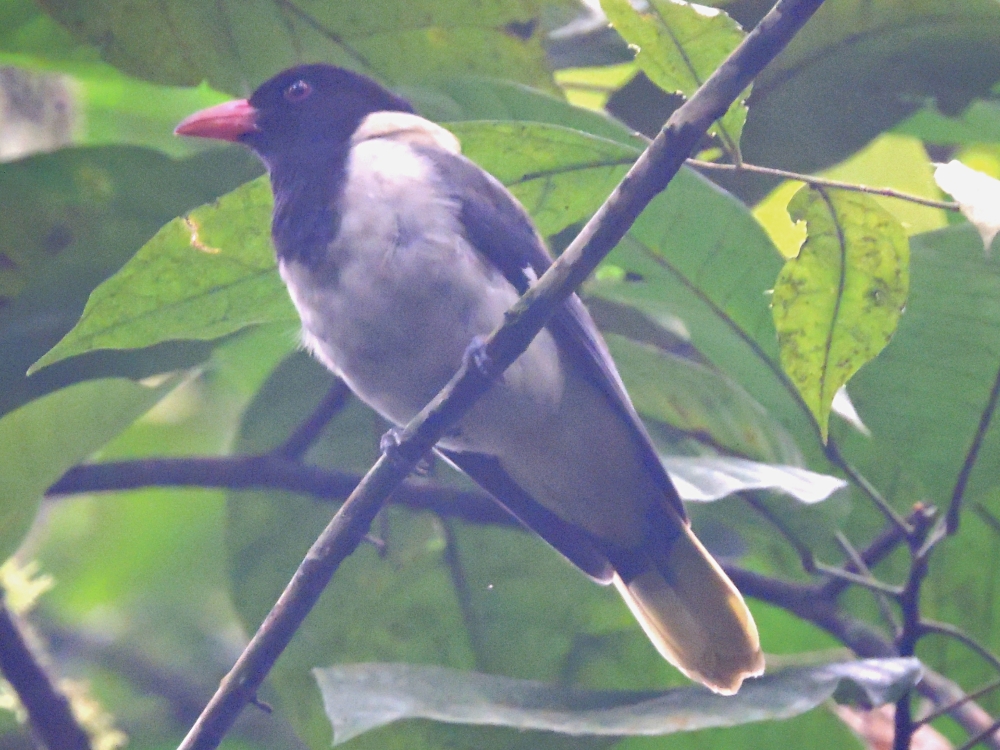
649, 176
49, 712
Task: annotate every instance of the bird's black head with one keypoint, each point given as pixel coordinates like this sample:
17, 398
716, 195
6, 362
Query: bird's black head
301, 111
312, 106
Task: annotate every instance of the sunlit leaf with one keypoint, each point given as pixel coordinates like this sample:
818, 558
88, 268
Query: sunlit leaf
837, 304
360, 697
706, 478
978, 196
679, 45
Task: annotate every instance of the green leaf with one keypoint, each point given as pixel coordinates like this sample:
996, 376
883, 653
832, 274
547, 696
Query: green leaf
360, 697
859, 67
697, 255
41, 440
838, 303
699, 402
560, 175
977, 123
68, 221
202, 276
467, 98
679, 46
237, 47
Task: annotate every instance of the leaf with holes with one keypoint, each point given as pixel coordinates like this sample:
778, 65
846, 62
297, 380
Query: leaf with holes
837, 304
679, 46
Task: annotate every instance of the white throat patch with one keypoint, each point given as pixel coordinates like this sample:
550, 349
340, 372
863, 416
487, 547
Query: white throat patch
402, 126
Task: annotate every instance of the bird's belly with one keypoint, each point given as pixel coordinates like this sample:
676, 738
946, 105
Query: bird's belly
396, 329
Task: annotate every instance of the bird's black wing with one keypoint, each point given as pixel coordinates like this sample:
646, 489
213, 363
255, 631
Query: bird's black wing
499, 228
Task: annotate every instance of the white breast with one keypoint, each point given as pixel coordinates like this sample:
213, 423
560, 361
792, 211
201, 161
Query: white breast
404, 297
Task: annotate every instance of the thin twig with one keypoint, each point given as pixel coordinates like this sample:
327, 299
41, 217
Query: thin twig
645, 180
859, 562
955, 508
305, 434
880, 548
463, 594
49, 711
814, 181
973, 741
911, 629
950, 631
837, 458
950, 707
857, 579
807, 603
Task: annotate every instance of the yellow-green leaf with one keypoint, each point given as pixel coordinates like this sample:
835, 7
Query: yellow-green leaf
837, 304
679, 45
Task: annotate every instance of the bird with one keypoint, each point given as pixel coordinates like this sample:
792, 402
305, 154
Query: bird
399, 254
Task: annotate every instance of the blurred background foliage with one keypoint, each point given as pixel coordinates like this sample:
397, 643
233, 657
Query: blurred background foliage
153, 591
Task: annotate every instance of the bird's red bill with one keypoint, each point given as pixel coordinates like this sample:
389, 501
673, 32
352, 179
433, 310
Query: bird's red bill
225, 122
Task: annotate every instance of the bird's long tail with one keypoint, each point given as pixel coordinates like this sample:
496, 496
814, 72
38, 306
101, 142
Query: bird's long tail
694, 615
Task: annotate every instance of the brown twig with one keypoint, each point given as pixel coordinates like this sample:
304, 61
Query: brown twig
49, 712
647, 178
812, 180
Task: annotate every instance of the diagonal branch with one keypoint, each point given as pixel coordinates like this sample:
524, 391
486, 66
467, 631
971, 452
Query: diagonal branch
648, 177
49, 711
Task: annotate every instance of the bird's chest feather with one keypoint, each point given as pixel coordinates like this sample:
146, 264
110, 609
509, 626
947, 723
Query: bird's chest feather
400, 294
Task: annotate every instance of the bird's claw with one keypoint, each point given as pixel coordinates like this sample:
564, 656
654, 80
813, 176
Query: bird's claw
477, 356
389, 444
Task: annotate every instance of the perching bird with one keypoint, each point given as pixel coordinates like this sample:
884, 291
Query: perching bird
398, 253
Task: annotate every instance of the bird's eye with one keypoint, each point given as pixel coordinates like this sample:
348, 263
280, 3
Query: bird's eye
298, 91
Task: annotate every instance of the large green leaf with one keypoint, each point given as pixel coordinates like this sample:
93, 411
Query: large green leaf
700, 403
560, 175
360, 697
67, 222
679, 46
41, 440
202, 276
837, 304
237, 46
860, 66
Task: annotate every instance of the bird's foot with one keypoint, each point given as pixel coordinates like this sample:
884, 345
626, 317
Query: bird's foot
477, 356
389, 444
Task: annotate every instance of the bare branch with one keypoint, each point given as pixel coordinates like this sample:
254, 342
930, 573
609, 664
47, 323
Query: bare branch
274, 472
648, 176
49, 711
